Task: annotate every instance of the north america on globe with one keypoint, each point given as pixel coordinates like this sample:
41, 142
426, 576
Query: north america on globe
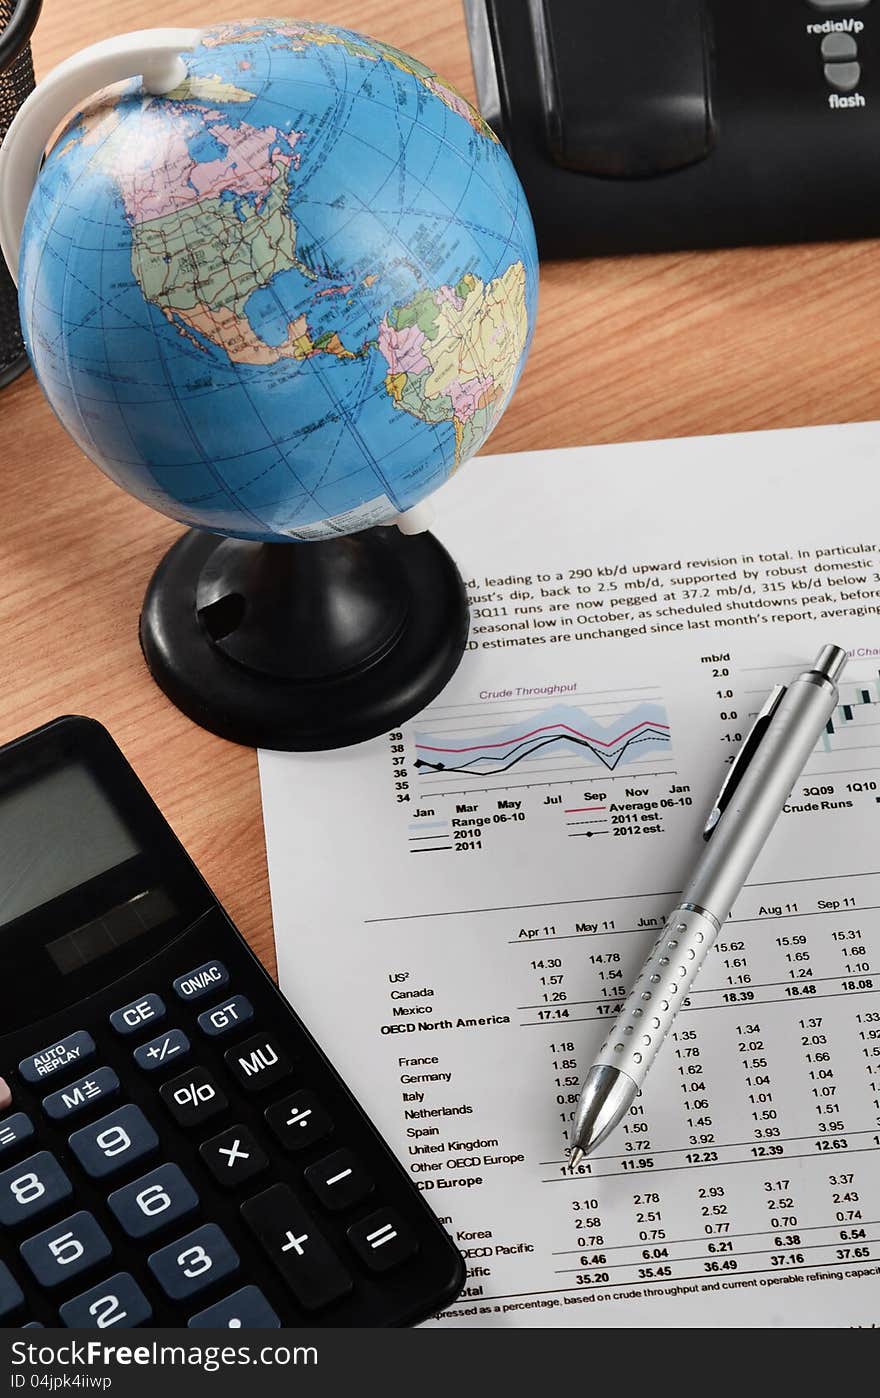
340, 256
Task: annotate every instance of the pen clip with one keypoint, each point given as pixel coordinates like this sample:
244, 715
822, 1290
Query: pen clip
747, 751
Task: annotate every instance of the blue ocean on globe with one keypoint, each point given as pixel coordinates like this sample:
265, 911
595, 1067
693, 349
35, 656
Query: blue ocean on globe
287, 299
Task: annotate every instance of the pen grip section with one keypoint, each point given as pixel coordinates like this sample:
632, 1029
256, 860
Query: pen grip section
646, 1015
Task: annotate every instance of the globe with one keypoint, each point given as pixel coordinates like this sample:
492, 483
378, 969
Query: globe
287, 299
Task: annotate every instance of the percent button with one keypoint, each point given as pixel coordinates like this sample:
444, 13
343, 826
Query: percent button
193, 1097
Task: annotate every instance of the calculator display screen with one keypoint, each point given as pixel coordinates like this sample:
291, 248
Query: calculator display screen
56, 832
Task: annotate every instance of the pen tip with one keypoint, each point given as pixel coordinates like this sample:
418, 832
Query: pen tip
575, 1158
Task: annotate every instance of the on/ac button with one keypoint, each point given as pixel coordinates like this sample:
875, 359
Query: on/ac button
843, 77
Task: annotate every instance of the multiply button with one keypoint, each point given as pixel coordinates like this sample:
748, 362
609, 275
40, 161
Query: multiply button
73, 1049
258, 1062
233, 1156
194, 1097
202, 981
289, 1237
299, 1121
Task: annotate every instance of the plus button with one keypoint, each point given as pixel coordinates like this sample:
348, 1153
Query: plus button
293, 1242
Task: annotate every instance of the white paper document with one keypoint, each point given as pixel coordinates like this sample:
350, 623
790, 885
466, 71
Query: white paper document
461, 905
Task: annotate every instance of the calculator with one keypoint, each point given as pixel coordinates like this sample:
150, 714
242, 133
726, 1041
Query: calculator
175, 1149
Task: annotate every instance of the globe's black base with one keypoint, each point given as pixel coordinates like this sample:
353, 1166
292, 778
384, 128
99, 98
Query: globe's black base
304, 647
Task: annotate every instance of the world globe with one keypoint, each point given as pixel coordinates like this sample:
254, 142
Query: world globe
288, 298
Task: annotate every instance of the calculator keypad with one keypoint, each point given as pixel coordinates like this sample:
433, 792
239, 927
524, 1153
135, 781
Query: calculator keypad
156, 1199
194, 1262
67, 1248
117, 1301
246, 1309
115, 1141
13, 1130
11, 1294
32, 1187
316, 1254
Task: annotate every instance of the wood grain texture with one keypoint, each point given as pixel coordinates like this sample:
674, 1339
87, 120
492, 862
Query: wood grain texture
637, 347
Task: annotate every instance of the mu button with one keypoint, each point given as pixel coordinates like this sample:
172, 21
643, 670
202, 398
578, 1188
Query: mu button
258, 1062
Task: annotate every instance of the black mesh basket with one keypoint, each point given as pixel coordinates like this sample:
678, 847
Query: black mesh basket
17, 20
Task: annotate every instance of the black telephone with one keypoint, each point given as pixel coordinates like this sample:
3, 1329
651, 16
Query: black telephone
641, 125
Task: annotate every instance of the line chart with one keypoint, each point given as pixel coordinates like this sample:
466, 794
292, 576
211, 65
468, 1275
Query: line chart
605, 732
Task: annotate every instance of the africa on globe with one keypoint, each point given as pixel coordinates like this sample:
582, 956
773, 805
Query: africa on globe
285, 300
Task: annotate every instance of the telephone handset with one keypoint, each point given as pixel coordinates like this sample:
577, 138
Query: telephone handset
660, 50
648, 125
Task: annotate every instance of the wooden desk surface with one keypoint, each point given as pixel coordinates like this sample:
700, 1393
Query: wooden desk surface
638, 347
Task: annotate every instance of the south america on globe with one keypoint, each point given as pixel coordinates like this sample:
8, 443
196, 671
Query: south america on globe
287, 299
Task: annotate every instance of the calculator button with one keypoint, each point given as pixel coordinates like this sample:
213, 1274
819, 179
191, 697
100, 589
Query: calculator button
14, 1129
164, 1050
226, 1016
289, 1236
113, 1142
68, 1247
160, 1197
204, 980
133, 1017
299, 1121
11, 1294
233, 1156
66, 1053
117, 1301
339, 1180
258, 1062
193, 1262
67, 1101
29, 1188
246, 1309
194, 1097
382, 1241
5, 1095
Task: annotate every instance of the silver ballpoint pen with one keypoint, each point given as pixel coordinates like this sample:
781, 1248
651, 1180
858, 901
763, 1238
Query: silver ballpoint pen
747, 807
